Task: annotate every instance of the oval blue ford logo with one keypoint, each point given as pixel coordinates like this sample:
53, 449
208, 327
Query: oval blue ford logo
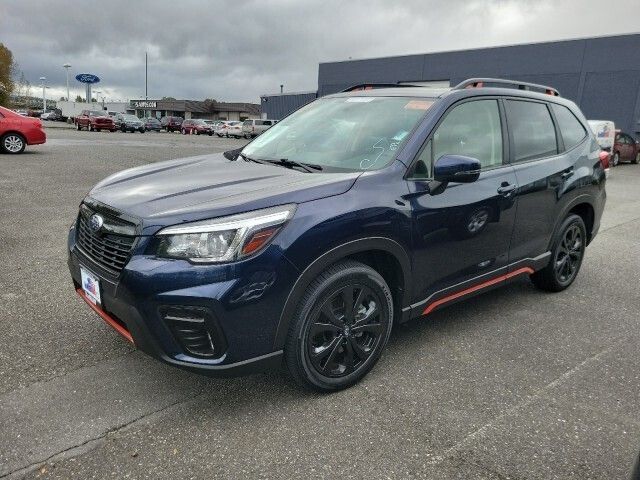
87, 78
95, 222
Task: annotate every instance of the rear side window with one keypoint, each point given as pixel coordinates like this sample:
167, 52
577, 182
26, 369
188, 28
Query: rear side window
570, 127
531, 129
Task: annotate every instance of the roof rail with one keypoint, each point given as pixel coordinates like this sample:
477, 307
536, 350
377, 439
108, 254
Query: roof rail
372, 86
490, 82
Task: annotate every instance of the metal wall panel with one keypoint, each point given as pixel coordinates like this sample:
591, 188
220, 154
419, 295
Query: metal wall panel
602, 75
279, 106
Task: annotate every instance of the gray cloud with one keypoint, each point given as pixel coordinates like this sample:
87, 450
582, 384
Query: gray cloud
235, 51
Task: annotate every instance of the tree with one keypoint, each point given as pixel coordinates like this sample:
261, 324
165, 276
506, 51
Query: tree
79, 99
168, 98
63, 99
7, 70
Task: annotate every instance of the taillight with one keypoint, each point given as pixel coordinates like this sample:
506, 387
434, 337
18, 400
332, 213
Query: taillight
604, 159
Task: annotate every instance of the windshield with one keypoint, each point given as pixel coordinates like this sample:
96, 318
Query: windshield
95, 113
130, 118
344, 133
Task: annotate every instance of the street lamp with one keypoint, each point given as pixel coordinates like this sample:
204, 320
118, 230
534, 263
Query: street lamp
44, 96
67, 66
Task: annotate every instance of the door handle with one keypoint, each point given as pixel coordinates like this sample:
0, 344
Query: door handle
506, 189
566, 174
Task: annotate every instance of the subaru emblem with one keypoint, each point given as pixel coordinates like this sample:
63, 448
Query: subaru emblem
95, 223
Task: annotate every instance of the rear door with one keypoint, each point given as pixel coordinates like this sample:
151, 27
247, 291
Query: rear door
462, 234
542, 172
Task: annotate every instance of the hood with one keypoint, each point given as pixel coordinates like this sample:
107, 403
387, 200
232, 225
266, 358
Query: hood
210, 186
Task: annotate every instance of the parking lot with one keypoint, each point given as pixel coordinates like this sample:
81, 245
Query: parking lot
515, 383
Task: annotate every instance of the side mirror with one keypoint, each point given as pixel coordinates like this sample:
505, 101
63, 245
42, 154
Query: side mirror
456, 168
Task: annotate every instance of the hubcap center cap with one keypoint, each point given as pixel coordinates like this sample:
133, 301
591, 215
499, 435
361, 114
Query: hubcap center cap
347, 331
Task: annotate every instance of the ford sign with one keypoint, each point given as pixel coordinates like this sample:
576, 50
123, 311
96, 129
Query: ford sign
87, 78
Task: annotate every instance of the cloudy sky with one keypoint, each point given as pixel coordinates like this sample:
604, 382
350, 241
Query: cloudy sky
236, 50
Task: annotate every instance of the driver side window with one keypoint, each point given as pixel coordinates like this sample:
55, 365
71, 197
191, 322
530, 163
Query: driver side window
472, 129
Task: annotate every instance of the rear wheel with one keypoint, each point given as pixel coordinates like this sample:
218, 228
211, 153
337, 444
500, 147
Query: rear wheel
637, 159
183, 131
90, 128
341, 327
566, 256
13, 143
78, 127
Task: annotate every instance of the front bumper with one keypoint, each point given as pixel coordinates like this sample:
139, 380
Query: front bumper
245, 300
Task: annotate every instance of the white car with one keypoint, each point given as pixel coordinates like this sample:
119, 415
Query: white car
254, 126
45, 116
222, 130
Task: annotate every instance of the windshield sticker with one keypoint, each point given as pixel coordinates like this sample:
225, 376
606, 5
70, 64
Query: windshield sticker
418, 105
367, 163
360, 99
400, 135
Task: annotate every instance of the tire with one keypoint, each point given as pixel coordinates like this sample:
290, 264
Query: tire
78, 127
90, 128
142, 130
112, 130
616, 159
567, 254
210, 133
12, 143
637, 159
324, 352
98, 130
183, 131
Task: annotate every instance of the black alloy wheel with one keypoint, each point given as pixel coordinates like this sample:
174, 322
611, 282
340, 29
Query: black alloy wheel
566, 256
569, 255
345, 331
341, 328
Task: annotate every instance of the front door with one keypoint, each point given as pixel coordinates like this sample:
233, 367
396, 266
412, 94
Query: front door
463, 233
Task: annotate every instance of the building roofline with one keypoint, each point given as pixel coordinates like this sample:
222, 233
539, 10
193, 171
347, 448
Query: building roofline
488, 47
288, 93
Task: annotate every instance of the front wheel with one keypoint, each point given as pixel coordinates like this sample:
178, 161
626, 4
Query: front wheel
566, 256
637, 159
616, 159
341, 327
78, 127
183, 131
12, 143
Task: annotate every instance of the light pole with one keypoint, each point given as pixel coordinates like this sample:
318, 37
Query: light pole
44, 95
67, 66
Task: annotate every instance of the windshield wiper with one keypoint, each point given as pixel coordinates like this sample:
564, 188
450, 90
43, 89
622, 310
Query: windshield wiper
307, 167
247, 158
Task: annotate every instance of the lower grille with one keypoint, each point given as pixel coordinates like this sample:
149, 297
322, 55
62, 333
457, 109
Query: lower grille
110, 251
195, 330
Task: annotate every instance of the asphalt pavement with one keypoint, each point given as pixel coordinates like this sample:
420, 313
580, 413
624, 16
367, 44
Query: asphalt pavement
514, 383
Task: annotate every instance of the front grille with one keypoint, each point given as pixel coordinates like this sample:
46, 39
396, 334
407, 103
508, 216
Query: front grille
109, 250
196, 331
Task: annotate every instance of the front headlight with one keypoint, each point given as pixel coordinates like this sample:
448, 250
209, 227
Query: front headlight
224, 239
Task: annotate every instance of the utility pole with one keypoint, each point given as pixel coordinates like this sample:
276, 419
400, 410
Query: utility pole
44, 95
146, 76
281, 88
66, 66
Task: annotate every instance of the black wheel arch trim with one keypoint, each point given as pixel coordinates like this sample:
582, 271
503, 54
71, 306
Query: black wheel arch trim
578, 200
332, 256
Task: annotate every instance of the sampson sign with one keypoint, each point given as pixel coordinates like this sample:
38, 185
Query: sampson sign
87, 78
144, 104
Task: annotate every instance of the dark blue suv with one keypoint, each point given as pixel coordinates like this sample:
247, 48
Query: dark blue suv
360, 210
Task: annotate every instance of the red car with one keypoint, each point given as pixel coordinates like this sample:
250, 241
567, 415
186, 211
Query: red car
196, 126
95, 120
16, 131
625, 149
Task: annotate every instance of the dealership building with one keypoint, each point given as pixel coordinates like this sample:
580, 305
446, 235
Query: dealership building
600, 74
194, 109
